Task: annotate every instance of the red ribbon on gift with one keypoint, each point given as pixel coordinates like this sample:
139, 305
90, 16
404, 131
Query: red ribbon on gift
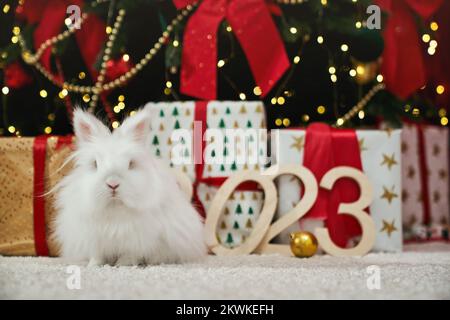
325, 149
256, 32
39, 156
403, 65
200, 114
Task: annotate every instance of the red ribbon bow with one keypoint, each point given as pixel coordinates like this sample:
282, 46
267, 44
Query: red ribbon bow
403, 66
325, 149
255, 31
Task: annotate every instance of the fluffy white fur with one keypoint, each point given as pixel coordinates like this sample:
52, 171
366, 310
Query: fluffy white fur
146, 219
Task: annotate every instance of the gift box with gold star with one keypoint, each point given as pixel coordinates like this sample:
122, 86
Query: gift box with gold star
201, 119
425, 191
319, 148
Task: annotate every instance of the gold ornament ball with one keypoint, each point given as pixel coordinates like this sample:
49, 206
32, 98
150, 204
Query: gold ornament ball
303, 244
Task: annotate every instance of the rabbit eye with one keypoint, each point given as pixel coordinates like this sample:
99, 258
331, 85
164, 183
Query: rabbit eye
131, 164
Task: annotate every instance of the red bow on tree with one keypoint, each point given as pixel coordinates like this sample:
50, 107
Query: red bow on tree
403, 66
256, 32
50, 16
16, 77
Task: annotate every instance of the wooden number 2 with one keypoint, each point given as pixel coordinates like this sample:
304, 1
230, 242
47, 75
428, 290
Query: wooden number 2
355, 209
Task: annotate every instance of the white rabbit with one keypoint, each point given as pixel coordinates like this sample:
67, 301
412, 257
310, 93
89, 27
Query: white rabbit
121, 206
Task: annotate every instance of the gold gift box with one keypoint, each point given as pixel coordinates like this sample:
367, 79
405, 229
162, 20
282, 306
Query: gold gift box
17, 193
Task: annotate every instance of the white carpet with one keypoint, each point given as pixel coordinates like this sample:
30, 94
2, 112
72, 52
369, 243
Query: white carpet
421, 273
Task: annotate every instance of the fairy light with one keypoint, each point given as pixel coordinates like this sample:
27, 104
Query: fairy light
14, 39
293, 30
43, 93
296, 59
121, 98
257, 91
434, 26
86, 98
333, 78
286, 122
416, 112
167, 91
352, 72
242, 96
358, 24
121, 105
332, 70
175, 43
6, 8
108, 29
278, 122
5, 90
273, 100
324, 2
115, 124
340, 122
132, 113
407, 108
229, 28
51, 117
440, 89
126, 57
168, 84
380, 78
11, 129
320, 39
48, 130
431, 51
16, 30
81, 75
442, 112
116, 109
281, 101
444, 121
361, 114
305, 118
344, 47
426, 38
220, 63
321, 109
433, 44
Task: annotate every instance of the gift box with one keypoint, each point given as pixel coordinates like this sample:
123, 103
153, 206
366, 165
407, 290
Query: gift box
320, 148
29, 169
425, 182
199, 119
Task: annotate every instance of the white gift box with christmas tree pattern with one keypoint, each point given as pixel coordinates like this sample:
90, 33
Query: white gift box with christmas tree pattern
380, 156
243, 208
426, 213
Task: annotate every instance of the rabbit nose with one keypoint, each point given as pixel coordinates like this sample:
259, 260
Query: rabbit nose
113, 186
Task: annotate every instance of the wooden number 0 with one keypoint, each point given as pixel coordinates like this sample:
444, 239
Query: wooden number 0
219, 201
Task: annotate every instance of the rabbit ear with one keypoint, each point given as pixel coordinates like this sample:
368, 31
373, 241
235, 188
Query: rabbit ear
86, 126
137, 126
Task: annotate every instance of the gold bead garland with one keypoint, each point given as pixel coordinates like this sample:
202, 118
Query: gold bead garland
360, 105
96, 90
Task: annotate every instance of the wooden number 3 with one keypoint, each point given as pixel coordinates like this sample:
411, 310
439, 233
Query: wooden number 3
264, 231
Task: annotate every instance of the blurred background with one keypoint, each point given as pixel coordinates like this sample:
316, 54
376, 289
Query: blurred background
334, 58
